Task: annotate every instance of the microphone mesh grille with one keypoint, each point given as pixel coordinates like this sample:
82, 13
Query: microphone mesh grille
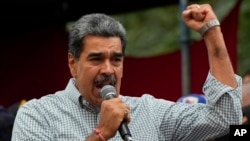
107, 90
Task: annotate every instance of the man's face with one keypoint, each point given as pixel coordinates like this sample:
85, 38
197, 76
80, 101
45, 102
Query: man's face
101, 56
246, 79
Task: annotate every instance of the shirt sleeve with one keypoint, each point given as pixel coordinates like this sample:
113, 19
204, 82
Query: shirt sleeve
201, 122
30, 124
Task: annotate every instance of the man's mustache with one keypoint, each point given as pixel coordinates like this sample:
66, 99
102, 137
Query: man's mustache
105, 79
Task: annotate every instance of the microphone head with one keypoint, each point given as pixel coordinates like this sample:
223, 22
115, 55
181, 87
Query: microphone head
108, 92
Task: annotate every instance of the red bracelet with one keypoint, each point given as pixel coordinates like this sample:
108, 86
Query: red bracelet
99, 133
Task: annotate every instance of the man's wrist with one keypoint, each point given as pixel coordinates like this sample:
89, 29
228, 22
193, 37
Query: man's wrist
98, 132
210, 24
93, 137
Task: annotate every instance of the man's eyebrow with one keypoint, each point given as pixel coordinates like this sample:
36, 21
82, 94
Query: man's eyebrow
95, 54
117, 54
98, 54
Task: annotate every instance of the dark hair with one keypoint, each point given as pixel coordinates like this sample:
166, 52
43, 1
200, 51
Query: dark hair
246, 113
6, 124
246, 73
94, 24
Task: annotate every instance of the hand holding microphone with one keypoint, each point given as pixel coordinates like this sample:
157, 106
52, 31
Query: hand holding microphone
115, 113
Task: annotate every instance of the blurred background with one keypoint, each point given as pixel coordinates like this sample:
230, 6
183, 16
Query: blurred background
34, 38
161, 58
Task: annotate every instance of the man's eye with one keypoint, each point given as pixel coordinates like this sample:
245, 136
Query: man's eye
95, 59
117, 59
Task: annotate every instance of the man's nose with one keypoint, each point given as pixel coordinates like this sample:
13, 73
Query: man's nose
107, 68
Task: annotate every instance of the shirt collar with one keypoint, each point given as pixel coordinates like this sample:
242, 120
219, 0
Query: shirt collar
74, 95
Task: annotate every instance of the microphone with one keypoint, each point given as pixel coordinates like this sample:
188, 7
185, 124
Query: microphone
108, 92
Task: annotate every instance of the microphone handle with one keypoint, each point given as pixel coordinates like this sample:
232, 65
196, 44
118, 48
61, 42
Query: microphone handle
124, 131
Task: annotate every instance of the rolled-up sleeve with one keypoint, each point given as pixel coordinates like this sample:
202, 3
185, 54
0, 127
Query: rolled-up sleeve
224, 99
201, 122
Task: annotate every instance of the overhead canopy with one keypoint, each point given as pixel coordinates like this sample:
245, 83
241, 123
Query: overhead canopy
19, 16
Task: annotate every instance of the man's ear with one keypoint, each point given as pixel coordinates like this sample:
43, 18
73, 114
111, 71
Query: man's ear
72, 62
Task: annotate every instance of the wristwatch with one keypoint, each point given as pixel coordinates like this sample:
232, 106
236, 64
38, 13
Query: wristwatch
208, 25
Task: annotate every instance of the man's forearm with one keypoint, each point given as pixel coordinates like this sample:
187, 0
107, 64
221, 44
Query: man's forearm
219, 60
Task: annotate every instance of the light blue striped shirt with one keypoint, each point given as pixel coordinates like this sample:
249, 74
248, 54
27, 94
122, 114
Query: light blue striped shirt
60, 116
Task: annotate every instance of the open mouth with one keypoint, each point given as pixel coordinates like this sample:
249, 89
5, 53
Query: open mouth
99, 86
103, 80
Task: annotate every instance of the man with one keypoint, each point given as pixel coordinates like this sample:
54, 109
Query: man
6, 123
245, 94
246, 97
96, 54
246, 77
7, 117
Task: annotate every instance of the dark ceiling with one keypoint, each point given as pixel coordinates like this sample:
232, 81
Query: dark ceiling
19, 15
